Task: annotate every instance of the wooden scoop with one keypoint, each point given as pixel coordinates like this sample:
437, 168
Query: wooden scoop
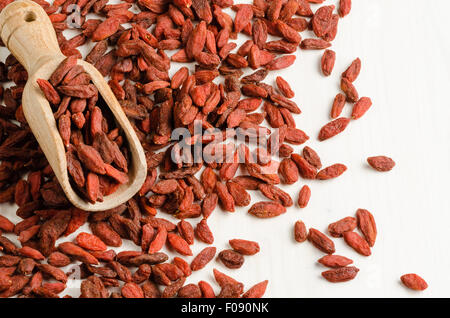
28, 33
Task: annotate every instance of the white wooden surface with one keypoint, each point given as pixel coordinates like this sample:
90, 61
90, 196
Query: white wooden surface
404, 48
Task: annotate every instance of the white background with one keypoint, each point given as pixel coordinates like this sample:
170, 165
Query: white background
405, 51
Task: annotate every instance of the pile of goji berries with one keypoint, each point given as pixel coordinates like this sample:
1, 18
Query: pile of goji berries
130, 40
88, 132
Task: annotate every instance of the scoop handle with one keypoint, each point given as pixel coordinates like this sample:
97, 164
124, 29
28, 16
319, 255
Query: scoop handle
28, 33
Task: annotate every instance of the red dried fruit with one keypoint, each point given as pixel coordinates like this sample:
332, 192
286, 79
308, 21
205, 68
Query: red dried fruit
49, 91
183, 265
51, 230
58, 259
178, 244
307, 171
342, 274
239, 194
274, 9
230, 291
276, 194
203, 258
64, 67
414, 282
165, 186
321, 21
321, 241
186, 231
366, 223
31, 253
225, 198
333, 128
256, 291
350, 91
281, 63
5, 224
304, 196
327, 62
300, 232
338, 228
106, 29
224, 280
209, 204
314, 44
22, 194
266, 209
77, 252
54, 272
284, 87
231, 259
206, 289
352, 72
104, 232
338, 105
244, 247
196, 40
335, 261
361, 107
159, 240
355, 241
90, 242
259, 33
92, 187
295, 136
190, 291
312, 157
331, 172
304, 8
203, 233
288, 33
381, 163
93, 287
132, 290
5, 282
78, 218
288, 171
344, 7
91, 159
253, 90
